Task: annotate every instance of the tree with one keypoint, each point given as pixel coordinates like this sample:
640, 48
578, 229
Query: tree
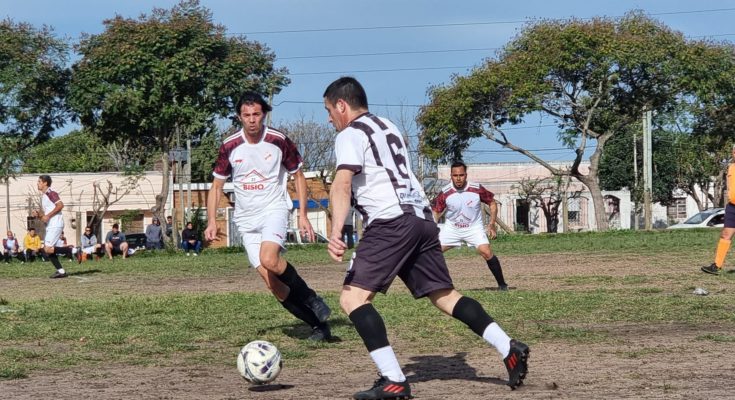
315, 142
180, 72
33, 84
548, 194
592, 77
77, 151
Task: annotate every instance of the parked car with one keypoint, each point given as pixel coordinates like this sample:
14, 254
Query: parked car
714, 218
135, 240
294, 237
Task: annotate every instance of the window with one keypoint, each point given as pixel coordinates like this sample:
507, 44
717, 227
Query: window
677, 210
573, 214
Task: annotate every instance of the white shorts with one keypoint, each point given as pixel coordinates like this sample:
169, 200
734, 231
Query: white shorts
53, 233
474, 236
88, 250
270, 226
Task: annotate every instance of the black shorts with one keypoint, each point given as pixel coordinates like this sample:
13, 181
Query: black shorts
730, 215
407, 247
116, 250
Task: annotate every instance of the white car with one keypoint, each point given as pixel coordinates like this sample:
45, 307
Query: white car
712, 218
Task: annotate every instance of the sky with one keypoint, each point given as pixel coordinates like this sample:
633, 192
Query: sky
397, 49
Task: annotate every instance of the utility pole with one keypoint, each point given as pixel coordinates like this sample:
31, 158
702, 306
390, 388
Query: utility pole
270, 103
647, 168
7, 203
565, 204
188, 173
635, 179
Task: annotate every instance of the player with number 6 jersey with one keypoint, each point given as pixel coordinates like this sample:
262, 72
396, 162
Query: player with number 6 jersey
374, 175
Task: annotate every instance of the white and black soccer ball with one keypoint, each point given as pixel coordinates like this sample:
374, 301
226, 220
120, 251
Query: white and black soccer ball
259, 362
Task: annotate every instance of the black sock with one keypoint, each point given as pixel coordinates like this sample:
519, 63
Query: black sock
299, 289
55, 261
494, 265
469, 311
369, 324
300, 311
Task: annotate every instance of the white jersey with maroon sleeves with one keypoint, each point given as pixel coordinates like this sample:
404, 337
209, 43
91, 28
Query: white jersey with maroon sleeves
48, 202
384, 186
259, 171
463, 206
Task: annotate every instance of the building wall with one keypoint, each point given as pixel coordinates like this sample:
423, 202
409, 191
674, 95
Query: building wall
77, 192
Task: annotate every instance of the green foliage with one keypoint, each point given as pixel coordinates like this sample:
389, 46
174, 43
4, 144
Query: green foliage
33, 84
203, 155
77, 151
180, 72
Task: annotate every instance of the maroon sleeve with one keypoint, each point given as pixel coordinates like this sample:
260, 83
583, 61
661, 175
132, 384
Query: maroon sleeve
53, 196
486, 196
291, 157
439, 203
222, 166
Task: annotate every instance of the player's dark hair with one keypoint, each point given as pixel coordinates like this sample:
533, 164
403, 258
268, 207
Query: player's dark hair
251, 97
458, 164
116, 226
32, 229
348, 89
46, 179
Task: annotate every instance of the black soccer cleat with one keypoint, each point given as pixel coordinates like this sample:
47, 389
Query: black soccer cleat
384, 388
516, 363
319, 307
712, 269
320, 333
58, 275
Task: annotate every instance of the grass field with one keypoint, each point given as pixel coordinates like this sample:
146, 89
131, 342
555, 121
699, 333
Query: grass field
171, 311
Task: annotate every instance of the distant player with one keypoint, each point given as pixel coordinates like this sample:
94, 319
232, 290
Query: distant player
374, 174
259, 159
728, 230
52, 217
462, 202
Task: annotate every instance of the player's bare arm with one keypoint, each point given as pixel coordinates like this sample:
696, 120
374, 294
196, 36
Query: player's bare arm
304, 225
57, 209
339, 197
213, 198
491, 230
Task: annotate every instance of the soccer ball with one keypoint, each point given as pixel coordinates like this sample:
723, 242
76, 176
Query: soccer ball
259, 362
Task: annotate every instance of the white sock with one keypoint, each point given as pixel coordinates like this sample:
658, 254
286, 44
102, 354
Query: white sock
386, 361
61, 271
495, 335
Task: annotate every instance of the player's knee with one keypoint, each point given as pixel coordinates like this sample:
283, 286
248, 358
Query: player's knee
727, 233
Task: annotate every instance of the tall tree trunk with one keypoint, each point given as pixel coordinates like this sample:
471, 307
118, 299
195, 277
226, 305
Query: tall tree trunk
592, 181
162, 197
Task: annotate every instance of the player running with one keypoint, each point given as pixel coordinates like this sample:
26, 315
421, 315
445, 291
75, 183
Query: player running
259, 160
728, 230
462, 202
52, 217
374, 174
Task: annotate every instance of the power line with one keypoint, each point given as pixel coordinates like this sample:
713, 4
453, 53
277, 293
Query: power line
389, 53
378, 70
510, 22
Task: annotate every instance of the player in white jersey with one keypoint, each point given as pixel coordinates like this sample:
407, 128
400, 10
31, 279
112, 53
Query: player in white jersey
259, 160
374, 174
51, 215
461, 202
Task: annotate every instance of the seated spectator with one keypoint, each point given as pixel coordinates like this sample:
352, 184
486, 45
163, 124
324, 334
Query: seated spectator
62, 248
154, 235
190, 240
89, 246
115, 243
11, 248
32, 244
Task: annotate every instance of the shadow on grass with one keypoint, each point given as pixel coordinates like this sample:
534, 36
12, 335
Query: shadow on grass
428, 368
269, 388
85, 272
299, 330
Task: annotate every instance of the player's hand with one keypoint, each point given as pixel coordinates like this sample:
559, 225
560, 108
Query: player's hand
211, 232
336, 248
492, 232
44, 218
305, 228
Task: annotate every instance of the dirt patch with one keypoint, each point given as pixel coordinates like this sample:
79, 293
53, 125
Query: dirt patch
662, 361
